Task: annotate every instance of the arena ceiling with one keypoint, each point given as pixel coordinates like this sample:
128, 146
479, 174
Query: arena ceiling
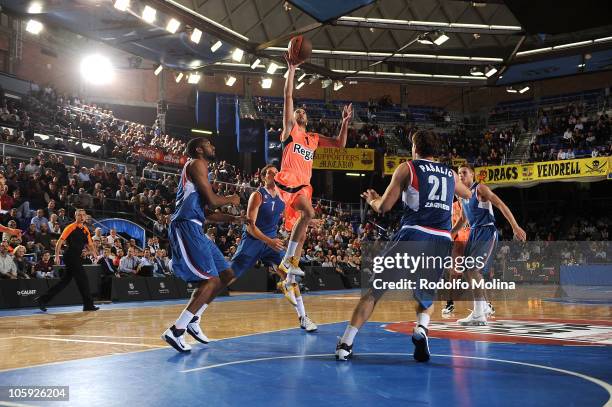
352, 39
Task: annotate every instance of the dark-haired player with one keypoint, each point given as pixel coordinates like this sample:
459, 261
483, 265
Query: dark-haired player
195, 258
259, 241
293, 179
426, 188
478, 210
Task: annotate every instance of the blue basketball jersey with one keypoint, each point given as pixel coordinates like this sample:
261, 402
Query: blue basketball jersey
478, 213
188, 200
270, 212
428, 200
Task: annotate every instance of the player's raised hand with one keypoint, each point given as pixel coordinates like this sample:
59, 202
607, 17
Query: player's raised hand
370, 195
347, 112
276, 244
290, 64
520, 233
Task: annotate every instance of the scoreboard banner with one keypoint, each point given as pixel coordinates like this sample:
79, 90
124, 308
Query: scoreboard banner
330, 158
585, 169
391, 162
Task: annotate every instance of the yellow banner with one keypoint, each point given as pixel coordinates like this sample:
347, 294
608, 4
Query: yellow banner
391, 162
458, 162
544, 171
329, 158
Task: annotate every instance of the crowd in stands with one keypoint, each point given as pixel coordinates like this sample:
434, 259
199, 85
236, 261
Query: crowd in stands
571, 133
489, 147
77, 127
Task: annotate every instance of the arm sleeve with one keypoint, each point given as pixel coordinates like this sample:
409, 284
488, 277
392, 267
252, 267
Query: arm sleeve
67, 231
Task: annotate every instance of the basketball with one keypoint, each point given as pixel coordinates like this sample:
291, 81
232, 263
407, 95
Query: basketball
300, 49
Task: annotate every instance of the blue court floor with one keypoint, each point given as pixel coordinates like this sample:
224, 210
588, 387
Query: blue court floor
292, 368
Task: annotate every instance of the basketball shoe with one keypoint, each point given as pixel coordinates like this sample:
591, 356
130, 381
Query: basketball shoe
421, 344
343, 351
287, 290
448, 309
307, 324
194, 329
473, 320
291, 266
176, 338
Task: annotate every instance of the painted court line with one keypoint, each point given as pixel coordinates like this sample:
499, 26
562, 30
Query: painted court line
601, 383
100, 342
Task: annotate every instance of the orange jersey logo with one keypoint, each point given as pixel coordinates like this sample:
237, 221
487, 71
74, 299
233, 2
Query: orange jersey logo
298, 155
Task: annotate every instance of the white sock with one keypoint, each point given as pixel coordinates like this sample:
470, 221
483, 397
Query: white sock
290, 279
201, 310
480, 307
183, 319
349, 335
422, 320
291, 247
300, 306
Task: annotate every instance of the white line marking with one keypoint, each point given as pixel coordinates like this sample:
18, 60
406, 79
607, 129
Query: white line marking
85, 341
598, 382
11, 404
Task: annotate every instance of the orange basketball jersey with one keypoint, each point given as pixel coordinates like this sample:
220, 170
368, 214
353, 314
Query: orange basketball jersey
464, 233
298, 155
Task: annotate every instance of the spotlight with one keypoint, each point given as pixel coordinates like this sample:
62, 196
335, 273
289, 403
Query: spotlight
149, 14
255, 63
490, 71
196, 35
173, 25
476, 71
325, 83
35, 8
34, 27
313, 79
216, 46
353, 82
300, 85
302, 76
237, 55
338, 85
272, 68
510, 89
193, 78
97, 69
158, 70
524, 89
178, 78
266, 83
435, 38
230, 80
122, 5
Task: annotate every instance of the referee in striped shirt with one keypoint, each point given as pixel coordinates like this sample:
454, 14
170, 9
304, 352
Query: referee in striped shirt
77, 237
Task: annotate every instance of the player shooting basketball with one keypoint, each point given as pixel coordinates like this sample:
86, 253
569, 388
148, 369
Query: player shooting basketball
293, 180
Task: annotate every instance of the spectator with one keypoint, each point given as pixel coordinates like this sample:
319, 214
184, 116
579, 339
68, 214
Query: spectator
8, 269
39, 219
129, 264
22, 265
44, 268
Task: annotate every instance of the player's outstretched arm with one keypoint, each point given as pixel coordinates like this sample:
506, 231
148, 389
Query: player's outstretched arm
219, 217
252, 229
288, 104
340, 141
485, 194
383, 204
198, 173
